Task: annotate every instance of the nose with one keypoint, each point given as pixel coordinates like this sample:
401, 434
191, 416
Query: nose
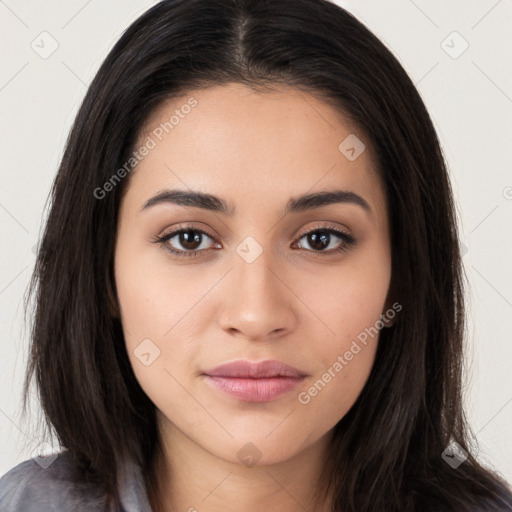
259, 303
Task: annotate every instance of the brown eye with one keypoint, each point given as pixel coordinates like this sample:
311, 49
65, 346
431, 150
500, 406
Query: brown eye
186, 241
189, 241
320, 239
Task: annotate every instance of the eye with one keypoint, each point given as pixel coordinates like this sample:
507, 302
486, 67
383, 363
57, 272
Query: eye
189, 241
322, 238
189, 238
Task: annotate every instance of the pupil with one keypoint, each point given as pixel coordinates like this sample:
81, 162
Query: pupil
320, 236
189, 240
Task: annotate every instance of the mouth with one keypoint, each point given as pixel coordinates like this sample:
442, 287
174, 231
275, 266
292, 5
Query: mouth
255, 382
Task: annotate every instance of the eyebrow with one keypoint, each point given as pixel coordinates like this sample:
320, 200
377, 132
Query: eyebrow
217, 204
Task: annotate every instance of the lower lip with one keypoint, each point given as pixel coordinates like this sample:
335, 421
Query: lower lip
255, 390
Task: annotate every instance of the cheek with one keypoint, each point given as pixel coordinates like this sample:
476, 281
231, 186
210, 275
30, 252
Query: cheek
158, 303
347, 304
346, 300
150, 309
345, 353
330, 394
154, 295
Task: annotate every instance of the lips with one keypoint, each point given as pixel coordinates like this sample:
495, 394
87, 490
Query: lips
248, 369
255, 382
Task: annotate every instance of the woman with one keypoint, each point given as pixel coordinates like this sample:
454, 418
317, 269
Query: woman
249, 292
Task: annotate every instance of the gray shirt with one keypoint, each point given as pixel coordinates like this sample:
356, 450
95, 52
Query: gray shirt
28, 487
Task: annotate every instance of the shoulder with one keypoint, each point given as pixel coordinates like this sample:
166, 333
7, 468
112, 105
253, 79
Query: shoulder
30, 487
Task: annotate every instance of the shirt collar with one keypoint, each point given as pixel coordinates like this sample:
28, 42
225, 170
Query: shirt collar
132, 489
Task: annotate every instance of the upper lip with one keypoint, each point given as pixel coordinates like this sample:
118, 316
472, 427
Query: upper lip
255, 370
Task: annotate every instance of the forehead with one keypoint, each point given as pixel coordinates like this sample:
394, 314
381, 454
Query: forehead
254, 146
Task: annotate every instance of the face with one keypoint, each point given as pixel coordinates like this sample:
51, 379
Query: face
267, 278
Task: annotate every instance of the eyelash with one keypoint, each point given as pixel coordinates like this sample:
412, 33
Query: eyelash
348, 240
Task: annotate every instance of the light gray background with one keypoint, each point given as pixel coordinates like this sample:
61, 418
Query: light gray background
469, 97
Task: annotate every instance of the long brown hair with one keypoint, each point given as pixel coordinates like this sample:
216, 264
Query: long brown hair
387, 450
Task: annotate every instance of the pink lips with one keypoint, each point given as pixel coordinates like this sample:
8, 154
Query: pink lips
255, 382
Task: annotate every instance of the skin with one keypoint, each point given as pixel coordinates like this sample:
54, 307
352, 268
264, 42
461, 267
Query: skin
294, 303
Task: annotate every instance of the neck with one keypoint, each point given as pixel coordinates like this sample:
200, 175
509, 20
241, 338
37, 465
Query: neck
188, 478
